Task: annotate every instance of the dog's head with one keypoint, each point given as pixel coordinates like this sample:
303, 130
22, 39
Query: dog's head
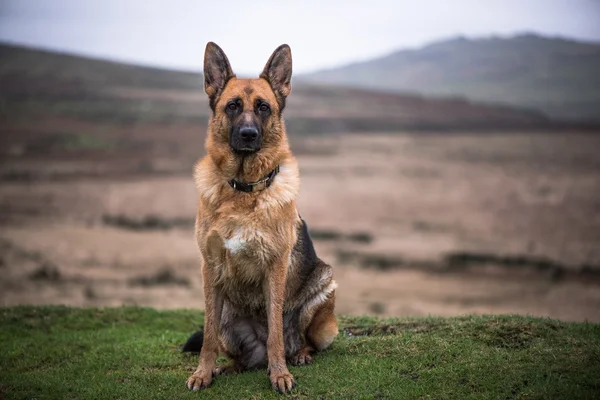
247, 113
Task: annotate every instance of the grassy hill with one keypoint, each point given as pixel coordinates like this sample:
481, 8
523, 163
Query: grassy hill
59, 352
558, 76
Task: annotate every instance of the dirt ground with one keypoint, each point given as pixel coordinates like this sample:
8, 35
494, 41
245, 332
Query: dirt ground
415, 224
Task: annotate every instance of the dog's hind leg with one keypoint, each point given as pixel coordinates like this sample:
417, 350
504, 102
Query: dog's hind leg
320, 332
323, 328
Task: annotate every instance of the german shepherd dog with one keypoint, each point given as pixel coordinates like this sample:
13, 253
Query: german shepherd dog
269, 298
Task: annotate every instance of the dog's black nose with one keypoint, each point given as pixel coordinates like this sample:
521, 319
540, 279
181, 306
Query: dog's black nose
245, 138
249, 133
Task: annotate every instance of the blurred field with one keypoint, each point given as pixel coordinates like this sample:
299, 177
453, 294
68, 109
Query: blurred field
494, 211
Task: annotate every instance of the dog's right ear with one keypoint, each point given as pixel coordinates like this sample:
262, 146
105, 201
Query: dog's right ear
217, 71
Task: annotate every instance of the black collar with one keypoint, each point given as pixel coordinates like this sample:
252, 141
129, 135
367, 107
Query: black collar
256, 186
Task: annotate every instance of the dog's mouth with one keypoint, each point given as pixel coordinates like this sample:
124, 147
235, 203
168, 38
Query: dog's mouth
242, 147
244, 151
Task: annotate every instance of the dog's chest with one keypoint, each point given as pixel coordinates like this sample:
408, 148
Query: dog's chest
248, 254
249, 251
254, 240
243, 239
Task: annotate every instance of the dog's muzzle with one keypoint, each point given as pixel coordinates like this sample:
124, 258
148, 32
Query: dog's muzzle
246, 138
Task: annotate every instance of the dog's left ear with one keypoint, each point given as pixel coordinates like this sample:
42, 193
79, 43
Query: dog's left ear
278, 72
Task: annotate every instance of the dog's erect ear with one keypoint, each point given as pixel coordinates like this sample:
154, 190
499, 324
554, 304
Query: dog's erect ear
278, 72
217, 70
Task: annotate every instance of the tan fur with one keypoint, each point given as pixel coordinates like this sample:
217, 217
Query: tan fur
323, 328
247, 239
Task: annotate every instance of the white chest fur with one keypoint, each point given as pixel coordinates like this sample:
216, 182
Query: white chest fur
242, 238
236, 242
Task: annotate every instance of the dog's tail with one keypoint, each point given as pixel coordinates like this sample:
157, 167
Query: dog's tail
194, 343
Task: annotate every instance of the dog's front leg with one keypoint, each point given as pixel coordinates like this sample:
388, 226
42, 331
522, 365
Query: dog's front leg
213, 299
281, 379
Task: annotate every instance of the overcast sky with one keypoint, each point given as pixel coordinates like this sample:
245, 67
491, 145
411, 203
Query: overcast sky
173, 33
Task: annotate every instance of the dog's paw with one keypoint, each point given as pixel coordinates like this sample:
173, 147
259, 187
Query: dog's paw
199, 380
226, 370
282, 382
302, 357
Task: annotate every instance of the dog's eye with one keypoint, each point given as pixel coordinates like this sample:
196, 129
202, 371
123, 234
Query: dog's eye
263, 107
232, 106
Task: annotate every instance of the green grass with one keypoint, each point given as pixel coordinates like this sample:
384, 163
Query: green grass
133, 353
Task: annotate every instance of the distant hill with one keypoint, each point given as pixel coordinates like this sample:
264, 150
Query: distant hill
39, 84
557, 76
44, 70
